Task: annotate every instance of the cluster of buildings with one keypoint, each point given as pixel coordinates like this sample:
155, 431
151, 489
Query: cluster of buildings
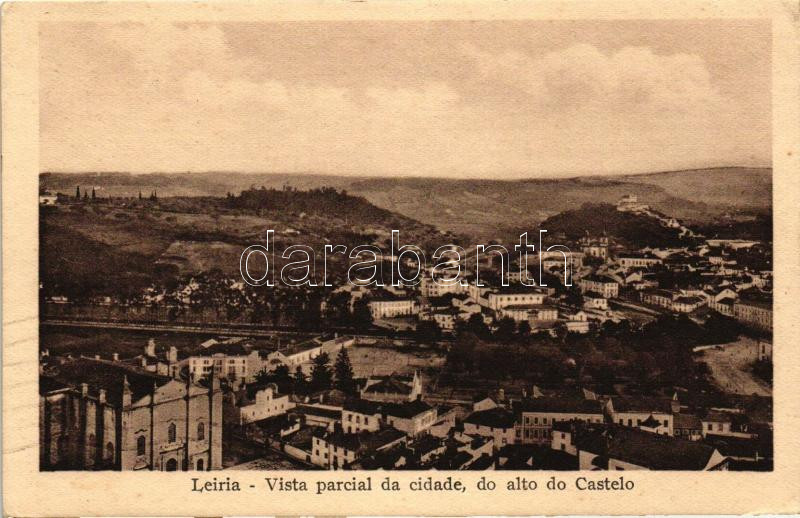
155, 412
169, 409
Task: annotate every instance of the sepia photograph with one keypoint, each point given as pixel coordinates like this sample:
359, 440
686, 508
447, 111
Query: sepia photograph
237, 234
400, 258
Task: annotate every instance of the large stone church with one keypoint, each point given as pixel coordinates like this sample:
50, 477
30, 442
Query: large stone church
101, 414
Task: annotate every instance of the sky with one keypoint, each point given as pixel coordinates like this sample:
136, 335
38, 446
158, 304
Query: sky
477, 99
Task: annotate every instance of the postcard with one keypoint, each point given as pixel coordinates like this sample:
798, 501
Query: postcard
420, 258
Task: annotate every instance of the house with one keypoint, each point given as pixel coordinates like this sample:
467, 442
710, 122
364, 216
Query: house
337, 449
393, 388
657, 297
726, 424
517, 294
535, 416
527, 312
651, 413
255, 402
410, 417
754, 311
594, 301
392, 308
687, 426
318, 415
98, 414
687, 304
497, 423
577, 326
300, 354
229, 360
634, 259
601, 285
359, 415
723, 306
619, 448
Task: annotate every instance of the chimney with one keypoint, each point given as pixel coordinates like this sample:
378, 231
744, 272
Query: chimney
501, 394
84, 389
116, 357
150, 348
96, 356
126, 392
173, 354
102, 396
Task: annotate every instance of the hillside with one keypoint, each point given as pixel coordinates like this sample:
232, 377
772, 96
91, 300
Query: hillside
602, 218
483, 209
128, 243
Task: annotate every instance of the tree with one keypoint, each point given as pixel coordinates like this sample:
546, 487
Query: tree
505, 329
93, 194
300, 382
475, 325
321, 375
78, 192
524, 330
362, 317
427, 332
343, 371
573, 297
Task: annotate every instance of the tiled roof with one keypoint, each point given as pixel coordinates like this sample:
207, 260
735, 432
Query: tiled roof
647, 449
559, 404
493, 418
641, 404
389, 386
110, 376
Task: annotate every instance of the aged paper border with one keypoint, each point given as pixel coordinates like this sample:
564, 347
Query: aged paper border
27, 492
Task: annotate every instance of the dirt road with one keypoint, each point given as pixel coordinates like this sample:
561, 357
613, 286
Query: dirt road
730, 368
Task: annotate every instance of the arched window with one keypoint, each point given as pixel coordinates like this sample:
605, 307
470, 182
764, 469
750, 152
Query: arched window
172, 433
200, 465
201, 431
140, 445
172, 465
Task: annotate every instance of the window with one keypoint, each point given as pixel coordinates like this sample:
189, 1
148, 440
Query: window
201, 431
172, 433
719, 427
710, 427
200, 465
140, 445
172, 464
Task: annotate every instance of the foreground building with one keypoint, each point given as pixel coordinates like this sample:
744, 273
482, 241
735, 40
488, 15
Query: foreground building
97, 414
619, 448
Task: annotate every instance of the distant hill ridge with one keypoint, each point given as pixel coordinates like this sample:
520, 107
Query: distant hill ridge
481, 207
